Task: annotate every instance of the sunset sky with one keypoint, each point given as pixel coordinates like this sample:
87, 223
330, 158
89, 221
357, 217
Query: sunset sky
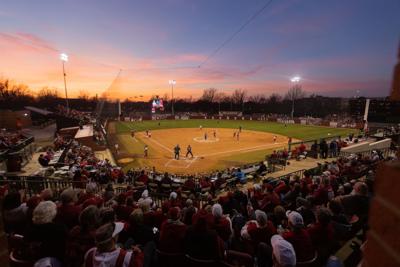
337, 47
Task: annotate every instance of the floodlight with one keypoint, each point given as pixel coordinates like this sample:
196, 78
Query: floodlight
64, 57
295, 79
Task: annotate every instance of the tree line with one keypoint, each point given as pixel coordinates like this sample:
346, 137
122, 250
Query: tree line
16, 96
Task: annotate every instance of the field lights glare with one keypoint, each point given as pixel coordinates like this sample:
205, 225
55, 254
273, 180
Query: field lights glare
64, 57
295, 79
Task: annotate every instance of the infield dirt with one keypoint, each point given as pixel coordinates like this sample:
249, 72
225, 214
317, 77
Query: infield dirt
208, 154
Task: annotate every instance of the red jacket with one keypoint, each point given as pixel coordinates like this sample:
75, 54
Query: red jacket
143, 178
172, 235
258, 234
68, 215
223, 228
302, 244
321, 235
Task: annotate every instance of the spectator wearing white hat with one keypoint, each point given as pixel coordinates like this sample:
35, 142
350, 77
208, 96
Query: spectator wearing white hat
221, 224
259, 231
283, 254
299, 237
145, 199
50, 236
106, 252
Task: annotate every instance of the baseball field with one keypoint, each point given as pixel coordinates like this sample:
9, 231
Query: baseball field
215, 144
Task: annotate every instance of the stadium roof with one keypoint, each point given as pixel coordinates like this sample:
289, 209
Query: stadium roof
39, 110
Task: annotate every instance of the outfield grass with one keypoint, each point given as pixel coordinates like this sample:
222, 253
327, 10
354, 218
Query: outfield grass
303, 132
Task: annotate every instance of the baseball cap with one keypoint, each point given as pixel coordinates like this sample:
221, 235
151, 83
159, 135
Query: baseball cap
283, 251
295, 218
119, 226
108, 231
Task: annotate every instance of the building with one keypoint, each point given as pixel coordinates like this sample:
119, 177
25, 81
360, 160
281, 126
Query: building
380, 109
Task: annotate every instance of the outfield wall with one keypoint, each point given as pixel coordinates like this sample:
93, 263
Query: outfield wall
256, 117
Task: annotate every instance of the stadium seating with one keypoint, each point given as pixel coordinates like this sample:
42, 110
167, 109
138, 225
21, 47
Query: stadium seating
113, 193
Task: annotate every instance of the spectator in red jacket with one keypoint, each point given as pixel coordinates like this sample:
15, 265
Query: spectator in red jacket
322, 234
205, 182
270, 200
172, 233
302, 148
189, 184
221, 223
201, 242
89, 193
173, 201
282, 187
82, 237
299, 237
122, 211
188, 211
321, 195
261, 230
143, 178
68, 212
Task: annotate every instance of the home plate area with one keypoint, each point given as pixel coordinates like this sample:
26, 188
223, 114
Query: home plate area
183, 162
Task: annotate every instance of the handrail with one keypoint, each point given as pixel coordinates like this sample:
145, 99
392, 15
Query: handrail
385, 152
298, 173
22, 144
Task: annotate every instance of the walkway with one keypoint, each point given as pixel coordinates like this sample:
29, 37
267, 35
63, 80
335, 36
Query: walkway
295, 165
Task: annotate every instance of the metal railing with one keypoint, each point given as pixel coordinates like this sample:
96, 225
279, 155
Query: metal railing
285, 176
366, 153
33, 185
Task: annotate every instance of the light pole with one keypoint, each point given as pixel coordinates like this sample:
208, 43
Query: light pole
64, 58
172, 83
294, 80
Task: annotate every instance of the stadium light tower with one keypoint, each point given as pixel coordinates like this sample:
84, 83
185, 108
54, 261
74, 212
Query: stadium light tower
64, 58
295, 80
172, 83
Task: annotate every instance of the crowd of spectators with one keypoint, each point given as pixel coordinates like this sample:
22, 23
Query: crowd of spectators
84, 117
9, 139
295, 220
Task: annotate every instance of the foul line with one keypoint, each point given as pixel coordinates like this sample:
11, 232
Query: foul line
185, 160
158, 143
243, 149
191, 162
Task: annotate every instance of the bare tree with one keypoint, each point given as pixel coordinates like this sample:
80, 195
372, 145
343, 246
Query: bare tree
8, 90
47, 93
165, 97
274, 98
294, 93
209, 95
14, 96
239, 96
220, 97
258, 99
83, 94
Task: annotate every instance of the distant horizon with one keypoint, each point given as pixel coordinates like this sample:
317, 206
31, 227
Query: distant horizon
336, 47
60, 92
